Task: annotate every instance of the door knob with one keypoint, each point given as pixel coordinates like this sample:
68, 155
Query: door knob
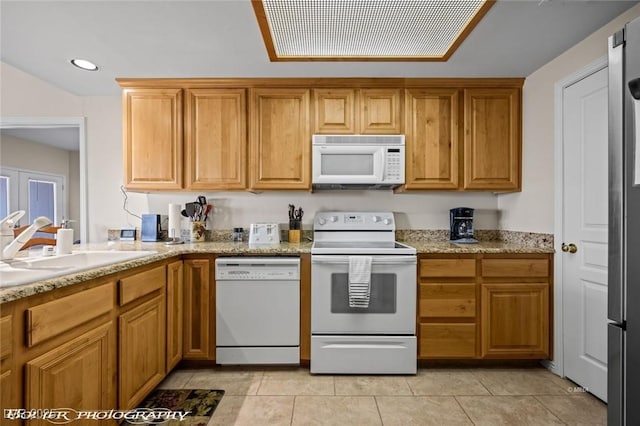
571, 248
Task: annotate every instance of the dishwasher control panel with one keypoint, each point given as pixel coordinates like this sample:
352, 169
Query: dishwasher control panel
268, 269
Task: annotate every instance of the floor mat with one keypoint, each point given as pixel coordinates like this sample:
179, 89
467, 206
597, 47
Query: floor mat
184, 407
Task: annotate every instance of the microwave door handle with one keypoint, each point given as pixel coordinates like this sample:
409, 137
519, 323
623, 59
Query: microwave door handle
381, 165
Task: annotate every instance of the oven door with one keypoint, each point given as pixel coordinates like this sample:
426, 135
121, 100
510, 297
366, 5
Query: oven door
350, 164
392, 305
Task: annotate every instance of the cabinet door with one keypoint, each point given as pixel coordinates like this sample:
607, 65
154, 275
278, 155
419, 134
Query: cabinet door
8, 395
142, 351
77, 375
280, 142
215, 139
432, 139
199, 303
174, 314
380, 111
515, 320
334, 111
492, 140
152, 138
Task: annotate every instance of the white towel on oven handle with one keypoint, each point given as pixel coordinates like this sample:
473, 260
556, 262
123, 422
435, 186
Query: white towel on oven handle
359, 281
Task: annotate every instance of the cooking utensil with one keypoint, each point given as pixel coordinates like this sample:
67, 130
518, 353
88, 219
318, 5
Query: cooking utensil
190, 209
207, 210
184, 213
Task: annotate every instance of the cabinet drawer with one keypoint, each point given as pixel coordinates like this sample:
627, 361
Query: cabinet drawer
52, 318
447, 268
515, 267
141, 284
447, 300
447, 340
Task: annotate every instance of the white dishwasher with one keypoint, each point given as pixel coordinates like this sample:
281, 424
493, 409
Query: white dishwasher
258, 310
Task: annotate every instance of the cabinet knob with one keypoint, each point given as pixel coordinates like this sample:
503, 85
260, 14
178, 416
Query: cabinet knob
571, 248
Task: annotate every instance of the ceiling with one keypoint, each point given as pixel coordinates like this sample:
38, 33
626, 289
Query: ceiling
58, 137
218, 38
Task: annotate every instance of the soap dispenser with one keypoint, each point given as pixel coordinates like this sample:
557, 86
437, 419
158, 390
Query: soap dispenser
64, 238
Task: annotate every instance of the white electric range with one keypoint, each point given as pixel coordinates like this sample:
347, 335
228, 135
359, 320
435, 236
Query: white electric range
376, 335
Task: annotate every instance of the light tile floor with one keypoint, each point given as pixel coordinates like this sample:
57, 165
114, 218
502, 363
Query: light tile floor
435, 396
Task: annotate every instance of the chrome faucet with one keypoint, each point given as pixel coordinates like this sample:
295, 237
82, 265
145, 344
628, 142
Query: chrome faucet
9, 251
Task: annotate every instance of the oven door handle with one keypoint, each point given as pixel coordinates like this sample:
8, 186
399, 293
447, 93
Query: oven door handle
375, 260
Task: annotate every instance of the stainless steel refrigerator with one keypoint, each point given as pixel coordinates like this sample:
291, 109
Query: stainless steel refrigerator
624, 227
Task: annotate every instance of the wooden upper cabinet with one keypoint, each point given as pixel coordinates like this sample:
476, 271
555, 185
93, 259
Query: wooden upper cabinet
432, 128
152, 139
280, 140
215, 139
334, 111
492, 139
352, 111
380, 111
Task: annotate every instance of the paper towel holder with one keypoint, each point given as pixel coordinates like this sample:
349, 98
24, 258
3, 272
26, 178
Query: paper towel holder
173, 231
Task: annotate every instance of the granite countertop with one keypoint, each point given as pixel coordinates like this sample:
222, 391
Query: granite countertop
163, 251
495, 247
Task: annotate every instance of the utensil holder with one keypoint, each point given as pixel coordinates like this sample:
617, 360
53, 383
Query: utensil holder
294, 235
294, 231
198, 230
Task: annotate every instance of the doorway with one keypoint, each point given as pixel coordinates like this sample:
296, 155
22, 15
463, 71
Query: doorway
73, 190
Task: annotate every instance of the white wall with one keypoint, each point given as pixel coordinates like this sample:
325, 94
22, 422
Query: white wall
24, 154
532, 209
23, 95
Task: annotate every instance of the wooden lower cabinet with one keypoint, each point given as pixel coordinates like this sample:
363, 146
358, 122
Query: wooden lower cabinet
77, 374
142, 360
175, 301
447, 340
493, 306
8, 395
199, 310
515, 320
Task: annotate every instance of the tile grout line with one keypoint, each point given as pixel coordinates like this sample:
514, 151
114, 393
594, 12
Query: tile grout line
293, 409
375, 399
260, 385
548, 409
463, 410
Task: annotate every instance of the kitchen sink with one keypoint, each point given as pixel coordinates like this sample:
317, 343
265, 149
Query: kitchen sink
30, 269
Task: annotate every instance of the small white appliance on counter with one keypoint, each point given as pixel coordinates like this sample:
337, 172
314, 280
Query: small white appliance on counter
264, 234
358, 161
363, 296
258, 310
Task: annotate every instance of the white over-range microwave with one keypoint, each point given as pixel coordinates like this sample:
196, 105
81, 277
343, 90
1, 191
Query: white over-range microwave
358, 161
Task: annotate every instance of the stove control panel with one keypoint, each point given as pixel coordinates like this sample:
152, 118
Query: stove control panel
354, 221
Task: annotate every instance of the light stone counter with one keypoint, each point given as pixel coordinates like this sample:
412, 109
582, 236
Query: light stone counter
495, 247
422, 244
163, 251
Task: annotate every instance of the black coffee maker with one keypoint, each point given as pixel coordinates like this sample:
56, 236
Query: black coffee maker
461, 220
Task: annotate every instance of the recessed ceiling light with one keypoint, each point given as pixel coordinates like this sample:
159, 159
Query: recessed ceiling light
366, 30
84, 64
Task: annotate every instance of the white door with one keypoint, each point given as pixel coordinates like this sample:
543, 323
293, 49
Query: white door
38, 194
584, 274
